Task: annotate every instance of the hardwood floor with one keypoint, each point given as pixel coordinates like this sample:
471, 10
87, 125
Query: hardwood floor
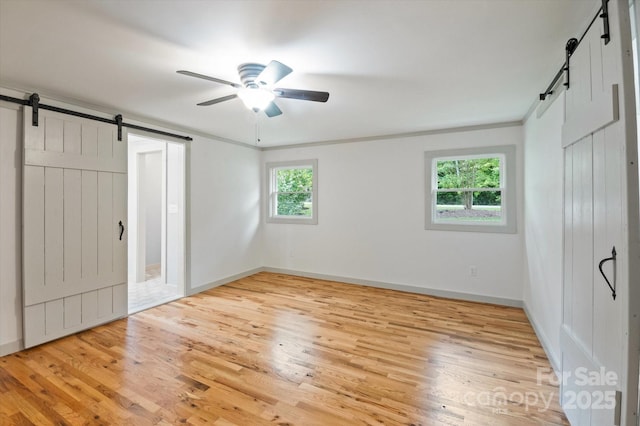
276, 349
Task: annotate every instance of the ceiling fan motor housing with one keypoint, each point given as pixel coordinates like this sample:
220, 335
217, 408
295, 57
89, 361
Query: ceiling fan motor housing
248, 73
256, 91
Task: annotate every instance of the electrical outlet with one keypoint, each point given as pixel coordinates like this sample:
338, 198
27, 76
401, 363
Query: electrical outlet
473, 271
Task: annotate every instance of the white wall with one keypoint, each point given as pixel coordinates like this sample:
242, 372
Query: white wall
371, 221
543, 207
224, 214
175, 213
10, 228
152, 190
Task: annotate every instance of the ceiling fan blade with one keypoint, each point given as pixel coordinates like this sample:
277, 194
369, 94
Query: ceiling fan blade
218, 100
303, 95
206, 77
272, 110
273, 72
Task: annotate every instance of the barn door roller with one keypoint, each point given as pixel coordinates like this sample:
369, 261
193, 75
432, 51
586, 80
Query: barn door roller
569, 48
605, 21
34, 99
603, 13
119, 124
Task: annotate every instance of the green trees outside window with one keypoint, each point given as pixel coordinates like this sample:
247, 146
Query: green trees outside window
469, 189
294, 191
292, 188
467, 176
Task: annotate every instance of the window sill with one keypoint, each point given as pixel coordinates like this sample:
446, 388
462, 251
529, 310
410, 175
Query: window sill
472, 227
293, 220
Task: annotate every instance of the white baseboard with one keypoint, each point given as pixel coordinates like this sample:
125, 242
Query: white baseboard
11, 347
223, 281
403, 287
544, 341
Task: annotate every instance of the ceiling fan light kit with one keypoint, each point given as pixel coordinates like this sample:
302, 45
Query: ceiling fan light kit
255, 98
256, 92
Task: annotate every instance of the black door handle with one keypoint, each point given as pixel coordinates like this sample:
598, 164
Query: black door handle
602, 262
121, 229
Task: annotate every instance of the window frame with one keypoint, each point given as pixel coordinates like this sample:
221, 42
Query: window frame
271, 169
507, 187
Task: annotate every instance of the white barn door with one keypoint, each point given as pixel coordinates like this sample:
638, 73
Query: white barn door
74, 225
599, 335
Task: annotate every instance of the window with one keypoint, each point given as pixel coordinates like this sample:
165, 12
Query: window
293, 192
471, 189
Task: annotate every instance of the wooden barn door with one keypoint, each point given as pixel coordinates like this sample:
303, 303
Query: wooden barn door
74, 225
599, 335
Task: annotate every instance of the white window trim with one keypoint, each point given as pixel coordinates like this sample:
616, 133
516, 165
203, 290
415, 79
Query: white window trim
302, 220
507, 183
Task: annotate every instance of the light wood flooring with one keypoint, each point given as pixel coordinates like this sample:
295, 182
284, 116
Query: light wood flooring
277, 349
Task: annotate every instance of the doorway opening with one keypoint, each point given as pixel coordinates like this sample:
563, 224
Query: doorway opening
156, 184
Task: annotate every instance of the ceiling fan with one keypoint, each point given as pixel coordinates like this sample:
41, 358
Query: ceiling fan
256, 91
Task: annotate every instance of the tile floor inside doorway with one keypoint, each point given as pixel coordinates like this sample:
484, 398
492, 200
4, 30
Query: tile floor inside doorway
151, 292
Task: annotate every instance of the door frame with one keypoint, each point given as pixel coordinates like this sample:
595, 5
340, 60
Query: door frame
632, 357
184, 276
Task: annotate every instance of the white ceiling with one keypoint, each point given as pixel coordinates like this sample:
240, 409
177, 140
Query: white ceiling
391, 66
